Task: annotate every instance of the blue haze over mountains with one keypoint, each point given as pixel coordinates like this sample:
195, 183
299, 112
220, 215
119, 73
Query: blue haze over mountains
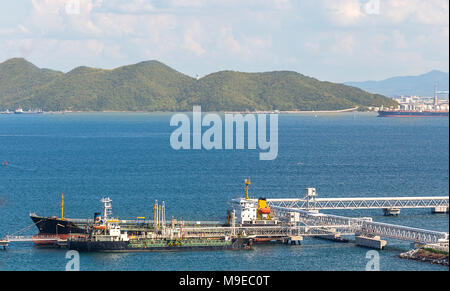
421, 85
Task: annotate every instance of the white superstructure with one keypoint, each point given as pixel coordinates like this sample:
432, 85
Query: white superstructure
245, 210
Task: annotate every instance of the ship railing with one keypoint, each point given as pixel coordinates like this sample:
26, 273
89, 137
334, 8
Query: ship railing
26, 238
147, 221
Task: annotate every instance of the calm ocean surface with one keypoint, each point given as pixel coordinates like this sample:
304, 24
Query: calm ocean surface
128, 158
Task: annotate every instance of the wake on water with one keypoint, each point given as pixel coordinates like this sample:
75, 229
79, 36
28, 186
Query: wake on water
8, 165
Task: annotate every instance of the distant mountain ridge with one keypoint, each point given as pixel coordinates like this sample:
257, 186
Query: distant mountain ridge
421, 85
153, 86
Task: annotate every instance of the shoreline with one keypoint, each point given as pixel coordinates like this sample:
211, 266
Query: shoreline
349, 110
423, 255
355, 109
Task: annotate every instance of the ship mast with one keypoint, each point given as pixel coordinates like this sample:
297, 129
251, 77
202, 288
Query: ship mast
163, 216
62, 207
107, 208
436, 99
247, 183
155, 215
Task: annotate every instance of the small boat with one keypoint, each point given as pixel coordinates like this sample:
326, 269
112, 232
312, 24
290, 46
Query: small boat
21, 111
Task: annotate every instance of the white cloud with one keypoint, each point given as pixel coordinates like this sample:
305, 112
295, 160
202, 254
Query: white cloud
124, 7
353, 12
187, 3
192, 38
50, 17
445, 33
343, 44
282, 4
343, 12
7, 32
312, 46
228, 42
399, 40
135, 6
429, 12
205, 35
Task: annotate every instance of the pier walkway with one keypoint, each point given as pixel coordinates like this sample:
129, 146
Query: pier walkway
4, 242
266, 231
312, 203
30, 238
364, 226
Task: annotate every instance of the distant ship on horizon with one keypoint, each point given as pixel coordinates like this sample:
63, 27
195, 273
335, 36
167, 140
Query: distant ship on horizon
412, 109
409, 113
21, 111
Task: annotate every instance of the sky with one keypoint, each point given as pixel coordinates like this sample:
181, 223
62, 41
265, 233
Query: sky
332, 40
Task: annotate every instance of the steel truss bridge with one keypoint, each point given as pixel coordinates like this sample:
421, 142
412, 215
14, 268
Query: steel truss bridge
364, 226
312, 203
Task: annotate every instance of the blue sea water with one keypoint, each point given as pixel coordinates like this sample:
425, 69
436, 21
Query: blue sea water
127, 156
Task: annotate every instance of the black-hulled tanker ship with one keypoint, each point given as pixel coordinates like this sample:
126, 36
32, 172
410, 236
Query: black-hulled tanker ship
410, 113
110, 243
413, 109
57, 226
106, 235
53, 228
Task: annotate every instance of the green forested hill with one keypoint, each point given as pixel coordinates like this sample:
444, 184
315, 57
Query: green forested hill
19, 79
153, 86
146, 86
274, 91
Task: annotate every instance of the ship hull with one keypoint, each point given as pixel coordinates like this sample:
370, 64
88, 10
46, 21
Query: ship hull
412, 114
55, 227
269, 240
122, 246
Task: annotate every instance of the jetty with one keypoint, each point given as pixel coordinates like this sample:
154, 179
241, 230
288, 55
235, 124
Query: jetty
261, 220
